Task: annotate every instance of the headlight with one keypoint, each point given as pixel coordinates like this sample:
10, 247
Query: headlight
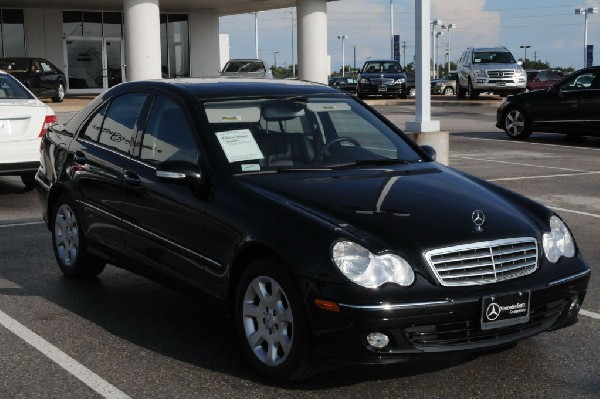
399, 81
558, 242
364, 268
480, 72
364, 80
520, 72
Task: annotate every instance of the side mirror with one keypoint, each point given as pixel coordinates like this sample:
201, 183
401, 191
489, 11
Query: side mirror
430, 151
179, 172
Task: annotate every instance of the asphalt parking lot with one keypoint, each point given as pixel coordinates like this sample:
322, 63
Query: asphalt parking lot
123, 336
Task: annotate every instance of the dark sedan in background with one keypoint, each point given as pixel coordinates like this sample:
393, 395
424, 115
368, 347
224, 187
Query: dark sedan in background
383, 78
40, 76
571, 106
325, 230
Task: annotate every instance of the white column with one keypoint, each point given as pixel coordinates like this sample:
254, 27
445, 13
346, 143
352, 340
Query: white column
312, 40
204, 44
423, 121
142, 39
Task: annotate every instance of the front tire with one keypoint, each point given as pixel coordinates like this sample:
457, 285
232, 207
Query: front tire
473, 94
271, 322
516, 124
460, 92
59, 95
28, 180
69, 242
448, 91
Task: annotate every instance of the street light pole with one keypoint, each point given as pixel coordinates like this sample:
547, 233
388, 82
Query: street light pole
433, 24
392, 29
525, 46
343, 37
256, 33
448, 27
275, 59
437, 50
585, 12
293, 61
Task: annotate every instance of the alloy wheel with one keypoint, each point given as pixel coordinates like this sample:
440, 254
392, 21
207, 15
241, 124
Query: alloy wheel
268, 321
515, 122
66, 235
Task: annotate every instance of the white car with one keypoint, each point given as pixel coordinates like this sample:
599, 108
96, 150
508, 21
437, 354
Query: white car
23, 121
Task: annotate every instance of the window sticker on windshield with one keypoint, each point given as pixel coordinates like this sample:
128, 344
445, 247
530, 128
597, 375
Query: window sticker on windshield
239, 145
328, 107
250, 167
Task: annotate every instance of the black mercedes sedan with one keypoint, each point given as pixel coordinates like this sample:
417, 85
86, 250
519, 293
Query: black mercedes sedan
571, 106
381, 77
326, 231
39, 75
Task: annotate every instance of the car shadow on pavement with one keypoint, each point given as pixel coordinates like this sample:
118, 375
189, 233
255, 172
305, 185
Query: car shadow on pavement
182, 326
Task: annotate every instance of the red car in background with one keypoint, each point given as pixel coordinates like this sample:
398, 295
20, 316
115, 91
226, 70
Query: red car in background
544, 79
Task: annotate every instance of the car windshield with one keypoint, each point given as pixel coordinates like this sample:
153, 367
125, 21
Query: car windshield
10, 88
493, 57
382, 67
244, 66
315, 132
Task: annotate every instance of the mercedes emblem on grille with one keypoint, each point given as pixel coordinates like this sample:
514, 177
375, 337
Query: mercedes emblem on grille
478, 218
493, 311
500, 73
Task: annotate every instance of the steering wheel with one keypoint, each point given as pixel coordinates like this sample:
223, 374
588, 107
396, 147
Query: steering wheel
318, 159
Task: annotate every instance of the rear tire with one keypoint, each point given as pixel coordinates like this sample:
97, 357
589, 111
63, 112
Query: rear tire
69, 242
448, 91
516, 124
460, 92
271, 322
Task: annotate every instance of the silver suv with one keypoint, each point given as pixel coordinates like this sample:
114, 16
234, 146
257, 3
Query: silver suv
492, 70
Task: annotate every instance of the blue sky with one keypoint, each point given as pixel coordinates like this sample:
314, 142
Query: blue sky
550, 27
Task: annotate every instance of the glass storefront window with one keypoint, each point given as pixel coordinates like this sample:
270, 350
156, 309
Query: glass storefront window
175, 52
72, 23
113, 24
12, 36
92, 24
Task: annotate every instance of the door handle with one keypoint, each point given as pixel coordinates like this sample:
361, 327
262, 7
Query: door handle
131, 178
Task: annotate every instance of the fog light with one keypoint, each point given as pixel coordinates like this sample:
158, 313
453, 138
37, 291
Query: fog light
574, 308
378, 340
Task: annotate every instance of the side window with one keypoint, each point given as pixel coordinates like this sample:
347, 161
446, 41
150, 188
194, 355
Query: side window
118, 128
94, 126
169, 135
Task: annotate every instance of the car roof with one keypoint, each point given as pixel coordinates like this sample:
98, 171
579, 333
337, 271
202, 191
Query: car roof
497, 49
222, 88
381, 60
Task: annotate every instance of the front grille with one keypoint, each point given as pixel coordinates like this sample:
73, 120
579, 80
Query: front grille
382, 81
483, 262
449, 336
501, 74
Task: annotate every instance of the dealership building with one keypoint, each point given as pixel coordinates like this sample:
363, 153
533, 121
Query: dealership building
101, 43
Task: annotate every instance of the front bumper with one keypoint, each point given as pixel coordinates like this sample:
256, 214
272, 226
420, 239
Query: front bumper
445, 324
488, 84
373, 89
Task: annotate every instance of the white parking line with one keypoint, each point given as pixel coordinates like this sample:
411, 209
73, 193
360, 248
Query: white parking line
544, 176
62, 359
520, 164
590, 314
526, 143
577, 212
20, 224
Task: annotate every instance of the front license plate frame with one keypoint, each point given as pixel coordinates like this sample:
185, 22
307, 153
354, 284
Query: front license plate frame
382, 88
505, 310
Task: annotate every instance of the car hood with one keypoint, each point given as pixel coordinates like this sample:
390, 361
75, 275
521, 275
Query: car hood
420, 206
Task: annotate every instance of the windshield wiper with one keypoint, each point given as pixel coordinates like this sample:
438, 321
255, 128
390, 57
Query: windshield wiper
382, 162
302, 169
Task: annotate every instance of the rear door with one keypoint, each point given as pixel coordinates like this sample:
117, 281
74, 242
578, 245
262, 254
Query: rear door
99, 153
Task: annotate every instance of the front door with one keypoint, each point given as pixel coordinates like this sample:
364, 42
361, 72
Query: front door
93, 64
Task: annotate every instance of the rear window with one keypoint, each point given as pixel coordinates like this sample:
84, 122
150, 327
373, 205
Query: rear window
11, 88
14, 65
